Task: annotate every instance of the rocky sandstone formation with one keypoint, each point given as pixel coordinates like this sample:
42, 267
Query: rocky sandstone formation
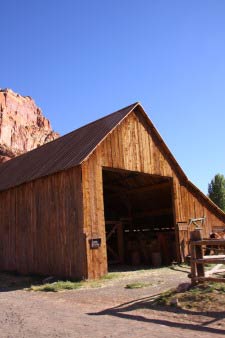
22, 125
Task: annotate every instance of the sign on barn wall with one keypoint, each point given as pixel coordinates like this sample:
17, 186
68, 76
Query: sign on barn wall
95, 243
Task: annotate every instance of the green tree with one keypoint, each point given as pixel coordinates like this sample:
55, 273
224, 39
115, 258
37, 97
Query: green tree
216, 191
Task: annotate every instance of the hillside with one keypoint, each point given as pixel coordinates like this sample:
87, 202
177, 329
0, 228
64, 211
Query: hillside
23, 127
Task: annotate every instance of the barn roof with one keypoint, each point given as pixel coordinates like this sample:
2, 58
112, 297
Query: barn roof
63, 153
74, 148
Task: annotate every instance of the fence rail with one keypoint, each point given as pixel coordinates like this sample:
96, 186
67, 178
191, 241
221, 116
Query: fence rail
198, 260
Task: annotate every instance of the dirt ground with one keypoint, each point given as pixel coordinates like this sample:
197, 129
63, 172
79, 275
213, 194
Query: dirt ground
109, 311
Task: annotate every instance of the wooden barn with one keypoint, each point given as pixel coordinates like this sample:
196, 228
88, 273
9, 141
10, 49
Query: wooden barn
107, 193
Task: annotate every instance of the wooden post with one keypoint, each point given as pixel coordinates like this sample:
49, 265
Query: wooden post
193, 264
197, 236
120, 242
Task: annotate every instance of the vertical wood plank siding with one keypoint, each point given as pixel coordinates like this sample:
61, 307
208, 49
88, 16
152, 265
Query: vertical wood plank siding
41, 226
46, 225
132, 146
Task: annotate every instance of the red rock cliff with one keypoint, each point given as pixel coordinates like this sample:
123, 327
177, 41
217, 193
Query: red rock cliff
22, 125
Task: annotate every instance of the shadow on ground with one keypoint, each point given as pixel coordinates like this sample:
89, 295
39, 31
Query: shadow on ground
13, 281
197, 321
128, 268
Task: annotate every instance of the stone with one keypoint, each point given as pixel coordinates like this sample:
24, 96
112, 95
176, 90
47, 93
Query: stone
23, 127
183, 287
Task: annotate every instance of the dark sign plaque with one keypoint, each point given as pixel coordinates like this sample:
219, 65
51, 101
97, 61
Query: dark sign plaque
95, 243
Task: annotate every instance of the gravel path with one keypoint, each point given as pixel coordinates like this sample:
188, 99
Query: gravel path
110, 311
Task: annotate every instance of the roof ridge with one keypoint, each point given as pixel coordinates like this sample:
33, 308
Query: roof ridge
98, 120
106, 116
70, 133
63, 153
130, 107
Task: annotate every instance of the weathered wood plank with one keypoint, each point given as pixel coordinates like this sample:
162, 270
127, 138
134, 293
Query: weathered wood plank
46, 224
42, 223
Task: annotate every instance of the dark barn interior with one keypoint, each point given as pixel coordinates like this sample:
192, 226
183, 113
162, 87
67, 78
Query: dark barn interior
139, 218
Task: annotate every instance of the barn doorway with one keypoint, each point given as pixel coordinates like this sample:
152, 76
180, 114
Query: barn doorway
139, 218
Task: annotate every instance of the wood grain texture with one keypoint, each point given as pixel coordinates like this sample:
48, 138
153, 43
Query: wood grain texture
133, 146
46, 224
41, 227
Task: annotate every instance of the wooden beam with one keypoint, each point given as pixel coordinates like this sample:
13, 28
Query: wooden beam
209, 242
120, 242
112, 231
139, 173
210, 260
209, 279
196, 235
214, 256
112, 222
164, 211
146, 188
114, 254
215, 270
193, 265
122, 171
117, 188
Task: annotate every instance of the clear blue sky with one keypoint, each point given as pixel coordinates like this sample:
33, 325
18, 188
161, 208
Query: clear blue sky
81, 60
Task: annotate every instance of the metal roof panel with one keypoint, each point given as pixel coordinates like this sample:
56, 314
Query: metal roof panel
61, 154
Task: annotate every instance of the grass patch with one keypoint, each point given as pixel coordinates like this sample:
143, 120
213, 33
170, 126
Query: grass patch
57, 286
209, 288
202, 297
164, 298
68, 285
111, 275
137, 285
64, 285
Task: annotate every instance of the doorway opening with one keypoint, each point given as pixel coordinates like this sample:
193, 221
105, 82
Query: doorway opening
139, 218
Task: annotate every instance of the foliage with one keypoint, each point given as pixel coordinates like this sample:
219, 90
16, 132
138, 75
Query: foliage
216, 191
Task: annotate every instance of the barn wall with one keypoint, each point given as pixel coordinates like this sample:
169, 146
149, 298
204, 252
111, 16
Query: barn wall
41, 226
132, 146
192, 205
46, 225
